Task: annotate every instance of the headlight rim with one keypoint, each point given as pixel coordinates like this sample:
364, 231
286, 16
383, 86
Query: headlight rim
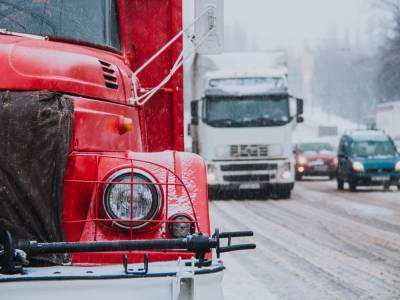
177, 215
135, 225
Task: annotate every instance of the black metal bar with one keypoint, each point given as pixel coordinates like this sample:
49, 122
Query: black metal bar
236, 234
34, 248
237, 248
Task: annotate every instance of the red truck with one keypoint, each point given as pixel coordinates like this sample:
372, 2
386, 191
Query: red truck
92, 180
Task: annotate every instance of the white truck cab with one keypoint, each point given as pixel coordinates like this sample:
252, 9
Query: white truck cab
242, 125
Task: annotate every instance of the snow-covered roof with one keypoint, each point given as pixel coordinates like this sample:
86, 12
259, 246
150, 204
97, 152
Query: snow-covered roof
260, 60
243, 73
368, 135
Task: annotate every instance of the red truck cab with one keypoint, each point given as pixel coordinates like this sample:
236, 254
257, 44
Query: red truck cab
124, 176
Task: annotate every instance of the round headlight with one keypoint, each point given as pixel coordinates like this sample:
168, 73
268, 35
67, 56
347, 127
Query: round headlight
358, 166
137, 201
181, 227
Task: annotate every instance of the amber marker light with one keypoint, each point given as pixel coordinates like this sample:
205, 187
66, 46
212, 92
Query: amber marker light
125, 125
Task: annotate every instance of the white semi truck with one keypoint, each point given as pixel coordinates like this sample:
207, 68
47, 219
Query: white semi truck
242, 124
388, 119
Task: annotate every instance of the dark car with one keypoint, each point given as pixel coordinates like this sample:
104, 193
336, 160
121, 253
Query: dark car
315, 159
367, 158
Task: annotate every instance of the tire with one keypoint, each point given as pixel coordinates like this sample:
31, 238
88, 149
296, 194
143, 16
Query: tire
340, 184
331, 177
284, 194
398, 187
352, 186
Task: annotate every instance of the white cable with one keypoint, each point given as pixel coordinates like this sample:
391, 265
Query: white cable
178, 63
158, 53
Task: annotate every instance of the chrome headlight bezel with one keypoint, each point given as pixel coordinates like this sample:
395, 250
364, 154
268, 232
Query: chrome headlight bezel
154, 189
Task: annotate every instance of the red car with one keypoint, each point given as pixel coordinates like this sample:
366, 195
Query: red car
315, 159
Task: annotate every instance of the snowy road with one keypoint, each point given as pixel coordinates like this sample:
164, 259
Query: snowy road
322, 244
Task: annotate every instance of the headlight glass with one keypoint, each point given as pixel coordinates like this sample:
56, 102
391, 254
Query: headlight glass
211, 173
358, 166
146, 199
397, 167
181, 229
285, 171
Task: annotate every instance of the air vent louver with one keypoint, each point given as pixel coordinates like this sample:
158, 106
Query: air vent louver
110, 80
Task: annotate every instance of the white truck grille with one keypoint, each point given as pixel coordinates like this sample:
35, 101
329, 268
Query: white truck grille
256, 151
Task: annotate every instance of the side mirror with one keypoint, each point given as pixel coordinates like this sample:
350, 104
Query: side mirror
300, 110
194, 111
209, 26
300, 106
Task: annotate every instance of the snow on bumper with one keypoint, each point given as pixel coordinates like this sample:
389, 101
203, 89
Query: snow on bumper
167, 280
236, 173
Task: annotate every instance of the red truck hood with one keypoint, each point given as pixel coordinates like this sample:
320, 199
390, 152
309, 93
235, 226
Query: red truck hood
38, 64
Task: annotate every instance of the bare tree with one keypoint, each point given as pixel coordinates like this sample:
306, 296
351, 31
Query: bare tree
389, 72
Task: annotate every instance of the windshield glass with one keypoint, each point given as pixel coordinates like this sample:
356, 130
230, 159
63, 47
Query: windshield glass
373, 148
247, 112
82, 20
315, 147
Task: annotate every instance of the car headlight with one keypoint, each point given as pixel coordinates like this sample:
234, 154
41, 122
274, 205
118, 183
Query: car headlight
397, 167
302, 160
137, 201
181, 227
358, 166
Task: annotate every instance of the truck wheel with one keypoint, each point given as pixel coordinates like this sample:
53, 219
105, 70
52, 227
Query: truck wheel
299, 177
352, 186
284, 194
340, 184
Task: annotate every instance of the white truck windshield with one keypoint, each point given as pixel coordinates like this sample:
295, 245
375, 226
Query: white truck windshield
247, 112
92, 21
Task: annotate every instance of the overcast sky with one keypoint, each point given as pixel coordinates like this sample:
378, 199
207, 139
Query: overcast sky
277, 21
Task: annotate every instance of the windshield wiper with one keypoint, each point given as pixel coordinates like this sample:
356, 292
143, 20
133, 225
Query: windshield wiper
267, 121
224, 122
28, 35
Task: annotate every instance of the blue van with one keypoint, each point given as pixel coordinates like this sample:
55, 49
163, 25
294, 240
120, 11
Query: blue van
367, 157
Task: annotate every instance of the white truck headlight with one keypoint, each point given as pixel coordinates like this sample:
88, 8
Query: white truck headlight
358, 166
397, 167
211, 173
285, 171
138, 201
